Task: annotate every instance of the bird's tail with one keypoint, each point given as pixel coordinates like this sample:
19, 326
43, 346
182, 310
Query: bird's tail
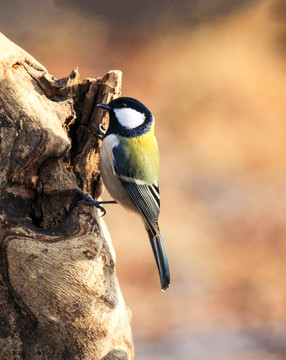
161, 258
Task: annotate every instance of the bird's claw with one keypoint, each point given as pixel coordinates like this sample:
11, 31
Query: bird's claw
100, 131
93, 203
88, 200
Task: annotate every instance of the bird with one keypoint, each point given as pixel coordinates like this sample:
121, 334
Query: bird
129, 165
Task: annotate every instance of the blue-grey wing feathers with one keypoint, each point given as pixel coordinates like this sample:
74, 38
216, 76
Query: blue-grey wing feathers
146, 198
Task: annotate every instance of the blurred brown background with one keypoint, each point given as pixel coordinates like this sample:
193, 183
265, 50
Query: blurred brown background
214, 74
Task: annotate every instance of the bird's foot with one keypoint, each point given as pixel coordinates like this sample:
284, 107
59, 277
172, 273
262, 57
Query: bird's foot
88, 200
100, 131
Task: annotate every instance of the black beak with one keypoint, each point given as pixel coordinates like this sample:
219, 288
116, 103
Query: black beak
104, 106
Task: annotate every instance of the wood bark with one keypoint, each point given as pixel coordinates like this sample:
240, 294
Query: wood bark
59, 294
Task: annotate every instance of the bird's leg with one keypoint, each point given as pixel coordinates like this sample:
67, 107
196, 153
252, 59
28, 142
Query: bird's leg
88, 200
100, 131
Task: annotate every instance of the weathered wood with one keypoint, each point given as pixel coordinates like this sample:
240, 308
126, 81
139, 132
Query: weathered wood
59, 295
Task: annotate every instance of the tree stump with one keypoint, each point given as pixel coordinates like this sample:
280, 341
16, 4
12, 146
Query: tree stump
59, 294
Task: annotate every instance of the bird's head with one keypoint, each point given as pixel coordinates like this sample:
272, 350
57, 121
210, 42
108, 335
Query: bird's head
128, 117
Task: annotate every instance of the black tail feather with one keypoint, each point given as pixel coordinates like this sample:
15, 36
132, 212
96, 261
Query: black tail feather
161, 259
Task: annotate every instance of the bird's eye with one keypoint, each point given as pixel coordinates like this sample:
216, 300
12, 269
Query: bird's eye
123, 105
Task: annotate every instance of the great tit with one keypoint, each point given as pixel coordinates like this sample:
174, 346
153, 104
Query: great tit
129, 164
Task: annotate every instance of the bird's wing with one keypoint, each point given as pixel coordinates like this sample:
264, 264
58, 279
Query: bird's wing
138, 172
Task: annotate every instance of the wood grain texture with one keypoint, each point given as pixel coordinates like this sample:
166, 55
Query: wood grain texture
59, 294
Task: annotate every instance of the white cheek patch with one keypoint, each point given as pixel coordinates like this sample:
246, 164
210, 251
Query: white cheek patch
129, 118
